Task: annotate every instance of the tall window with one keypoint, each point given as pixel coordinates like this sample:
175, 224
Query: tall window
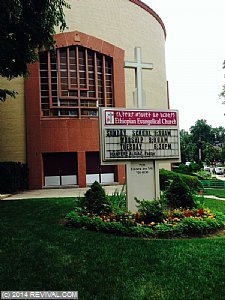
75, 81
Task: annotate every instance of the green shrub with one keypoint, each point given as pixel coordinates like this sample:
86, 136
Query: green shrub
13, 177
203, 175
118, 199
96, 200
192, 182
191, 226
179, 194
95, 223
193, 167
193, 223
182, 168
141, 231
150, 211
166, 177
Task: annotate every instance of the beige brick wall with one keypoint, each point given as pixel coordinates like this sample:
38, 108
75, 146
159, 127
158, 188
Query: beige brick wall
126, 25
12, 123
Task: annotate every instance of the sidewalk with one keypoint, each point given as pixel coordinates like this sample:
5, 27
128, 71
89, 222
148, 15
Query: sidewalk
66, 192
57, 193
221, 177
214, 197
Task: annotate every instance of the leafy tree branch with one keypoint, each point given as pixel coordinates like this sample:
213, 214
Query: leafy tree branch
26, 26
222, 94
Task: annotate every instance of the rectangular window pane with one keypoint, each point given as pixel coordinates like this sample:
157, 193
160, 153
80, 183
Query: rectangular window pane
63, 80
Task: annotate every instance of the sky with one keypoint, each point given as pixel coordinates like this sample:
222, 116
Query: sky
195, 51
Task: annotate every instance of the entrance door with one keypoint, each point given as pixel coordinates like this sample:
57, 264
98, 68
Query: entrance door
96, 172
60, 169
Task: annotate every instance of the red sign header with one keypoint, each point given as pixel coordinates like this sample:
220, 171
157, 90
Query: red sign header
141, 118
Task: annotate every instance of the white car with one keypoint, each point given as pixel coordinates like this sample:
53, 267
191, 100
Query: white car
219, 170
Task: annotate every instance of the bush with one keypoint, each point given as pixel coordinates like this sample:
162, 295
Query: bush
197, 222
118, 199
95, 199
182, 168
166, 177
193, 167
203, 175
192, 182
13, 177
150, 211
179, 194
195, 227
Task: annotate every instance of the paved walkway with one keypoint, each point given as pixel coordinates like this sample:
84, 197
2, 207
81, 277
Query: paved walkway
56, 193
70, 192
66, 192
214, 197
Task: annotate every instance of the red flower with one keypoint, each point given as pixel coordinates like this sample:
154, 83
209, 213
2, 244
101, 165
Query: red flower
188, 214
136, 216
200, 211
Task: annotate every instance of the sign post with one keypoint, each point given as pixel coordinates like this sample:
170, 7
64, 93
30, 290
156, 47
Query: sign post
139, 138
141, 182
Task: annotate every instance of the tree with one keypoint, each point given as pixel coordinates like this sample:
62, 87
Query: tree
188, 148
201, 131
222, 94
203, 143
25, 27
223, 153
201, 134
211, 153
219, 135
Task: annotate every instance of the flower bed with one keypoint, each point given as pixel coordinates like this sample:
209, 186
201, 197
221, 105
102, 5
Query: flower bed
176, 223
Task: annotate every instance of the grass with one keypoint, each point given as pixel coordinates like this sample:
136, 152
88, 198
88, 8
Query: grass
38, 253
215, 192
216, 205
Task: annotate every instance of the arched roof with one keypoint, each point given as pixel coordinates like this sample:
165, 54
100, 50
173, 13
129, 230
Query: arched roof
151, 11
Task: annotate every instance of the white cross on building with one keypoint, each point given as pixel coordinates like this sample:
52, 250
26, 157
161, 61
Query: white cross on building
138, 65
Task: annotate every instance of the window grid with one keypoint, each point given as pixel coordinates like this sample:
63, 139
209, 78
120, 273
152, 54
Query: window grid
74, 82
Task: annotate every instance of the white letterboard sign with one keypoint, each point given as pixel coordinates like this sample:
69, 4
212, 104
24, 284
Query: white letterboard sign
134, 134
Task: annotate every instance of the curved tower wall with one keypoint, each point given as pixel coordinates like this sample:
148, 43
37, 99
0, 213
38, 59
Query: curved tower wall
127, 24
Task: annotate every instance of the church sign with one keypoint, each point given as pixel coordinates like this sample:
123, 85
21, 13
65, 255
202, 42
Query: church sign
138, 134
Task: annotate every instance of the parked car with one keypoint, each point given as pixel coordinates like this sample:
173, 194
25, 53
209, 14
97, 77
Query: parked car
219, 170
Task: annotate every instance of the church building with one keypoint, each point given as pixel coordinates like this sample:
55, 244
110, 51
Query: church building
52, 125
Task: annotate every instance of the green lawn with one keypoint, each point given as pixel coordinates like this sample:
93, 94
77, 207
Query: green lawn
216, 205
38, 253
215, 192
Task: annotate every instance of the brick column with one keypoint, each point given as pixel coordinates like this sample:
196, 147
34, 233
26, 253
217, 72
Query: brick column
121, 174
81, 160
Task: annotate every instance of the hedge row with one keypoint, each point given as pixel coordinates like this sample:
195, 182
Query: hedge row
166, 177
13, 177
